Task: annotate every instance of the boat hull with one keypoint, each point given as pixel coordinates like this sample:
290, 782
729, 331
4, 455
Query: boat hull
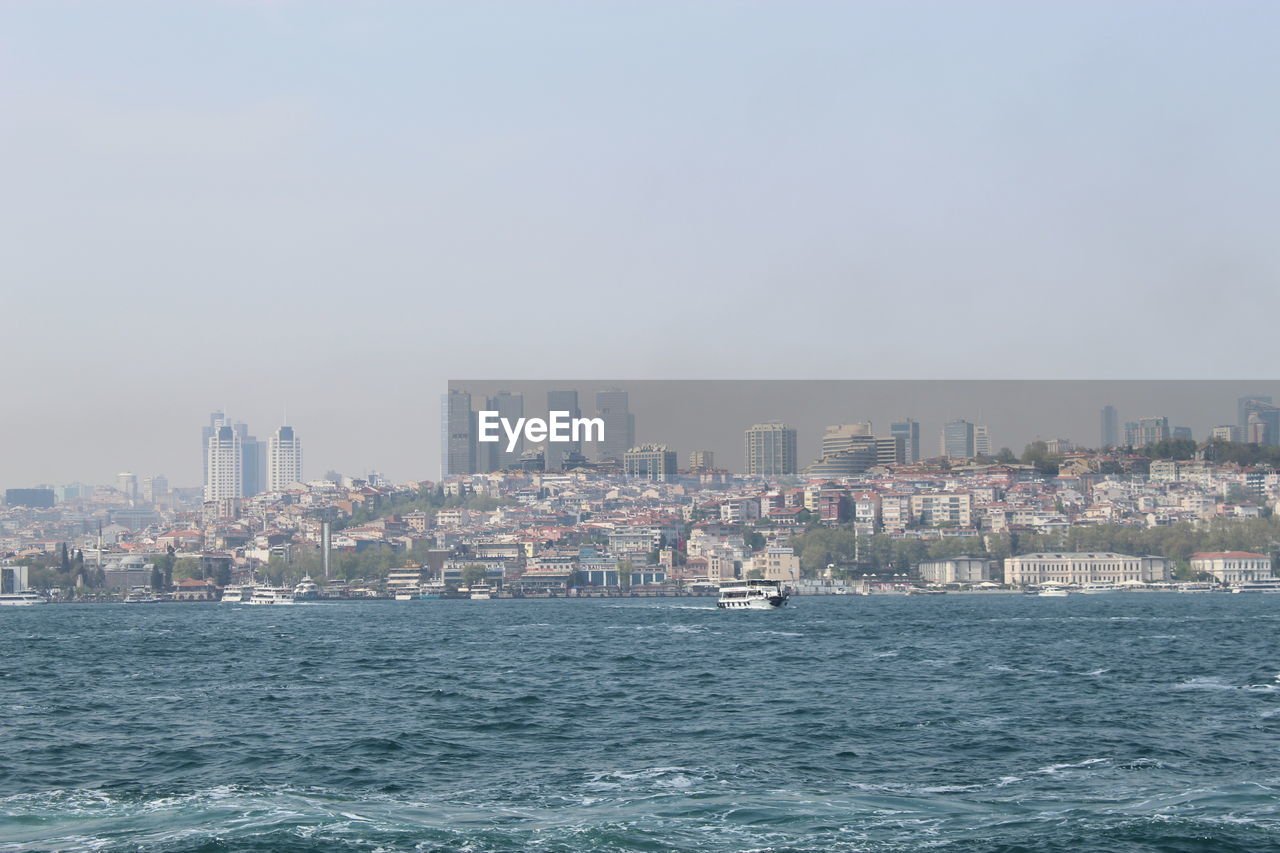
771, 603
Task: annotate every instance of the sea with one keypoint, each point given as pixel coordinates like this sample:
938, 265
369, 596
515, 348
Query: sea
1125, 722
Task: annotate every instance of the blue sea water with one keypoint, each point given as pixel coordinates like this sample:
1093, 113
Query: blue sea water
1128, 722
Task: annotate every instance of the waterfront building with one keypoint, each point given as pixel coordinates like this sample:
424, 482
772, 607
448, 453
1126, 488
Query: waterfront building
1232, 567
771, 450
284, 459
955, 570
1079, 568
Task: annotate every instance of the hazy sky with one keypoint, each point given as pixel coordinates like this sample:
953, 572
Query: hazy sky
337, 207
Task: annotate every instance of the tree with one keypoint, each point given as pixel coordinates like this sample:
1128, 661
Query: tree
625, 568
1006, 457
473, 574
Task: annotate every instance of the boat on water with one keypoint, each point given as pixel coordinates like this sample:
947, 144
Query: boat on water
1263, 585
272, 595
1198, 587
237, 594
432, 590
21, 599
306, 590
751, 595
140, 597
406, 594
481, 592
1053, 592
1100, 588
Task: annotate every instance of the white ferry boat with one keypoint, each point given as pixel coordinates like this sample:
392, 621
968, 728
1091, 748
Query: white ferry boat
1053, 592
432, 590
306, 590
1259, 585
239, 594
1198, 587
21, 599
1100, 588
751, 595
481, 592
272, 595
406, 594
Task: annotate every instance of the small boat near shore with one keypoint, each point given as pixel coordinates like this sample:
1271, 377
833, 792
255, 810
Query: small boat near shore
21, 599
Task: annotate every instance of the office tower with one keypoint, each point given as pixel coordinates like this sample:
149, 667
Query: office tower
1132, 434
155, 488
1245, 405
216, 419
847, 450
981, 441
458, 426
701, 460
1181, 433
555, 452
224, 463
494, 456
254, 455
1152, 430
909, 431
1109, 434
127, 484
650, 462
619, 425
958, 440
1255, 431
1267, 414
284, 459
771, 450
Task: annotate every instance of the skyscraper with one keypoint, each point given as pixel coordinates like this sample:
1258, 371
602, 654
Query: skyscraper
771, 450
909, 431
1259, 409
619, 425
224, 463
127, 483
1245, 405
1152, 430
555, 452
493, 456
284, 459
253, 454
958, 440
981, 440
216, 419
458, 428
1109, 434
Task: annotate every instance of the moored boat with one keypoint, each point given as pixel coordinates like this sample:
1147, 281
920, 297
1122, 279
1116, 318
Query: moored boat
237, 594
272, 595
21, 599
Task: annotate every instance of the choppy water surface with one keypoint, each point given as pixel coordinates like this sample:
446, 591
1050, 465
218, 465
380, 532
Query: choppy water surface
1102, 723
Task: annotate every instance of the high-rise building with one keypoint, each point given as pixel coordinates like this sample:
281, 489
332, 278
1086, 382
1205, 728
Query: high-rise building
155, 488
958, 440
771, 450
254, 455
701, 460
1132, 434
224, 463
650, 462
127, 484
458, 427
619, 425
909, 431
981, 440
1266, 414
1255, 431
1109, 432
555, 452
284, 459
1227, 432
494, 456
1246, 405
1152, 430
1182, 432
216, 419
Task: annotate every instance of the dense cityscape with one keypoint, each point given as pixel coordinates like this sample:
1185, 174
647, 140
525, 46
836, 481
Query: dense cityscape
1148, 507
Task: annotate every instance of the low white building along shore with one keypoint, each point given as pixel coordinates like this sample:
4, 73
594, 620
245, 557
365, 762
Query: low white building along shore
1079, 568
1232, 567
955, 570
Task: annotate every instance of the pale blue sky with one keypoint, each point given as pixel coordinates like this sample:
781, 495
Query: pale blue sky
337, 207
